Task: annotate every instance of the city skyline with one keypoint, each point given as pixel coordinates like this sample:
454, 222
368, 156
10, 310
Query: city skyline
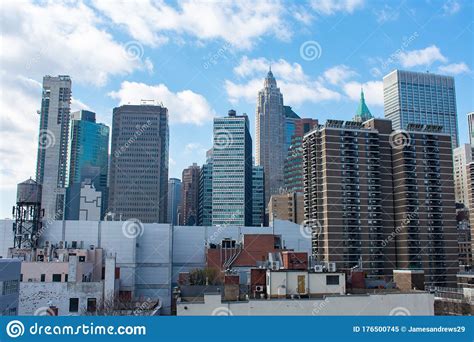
237, 158
200, 75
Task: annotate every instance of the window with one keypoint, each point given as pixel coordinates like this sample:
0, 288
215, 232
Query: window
65, 278
9, 287
56, 278
73, 304
332, 280
91, 304
43, 278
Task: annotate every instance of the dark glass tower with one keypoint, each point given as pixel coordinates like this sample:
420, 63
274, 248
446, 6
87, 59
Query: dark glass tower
138, 186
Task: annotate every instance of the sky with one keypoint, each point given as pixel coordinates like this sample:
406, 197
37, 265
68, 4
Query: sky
200, 59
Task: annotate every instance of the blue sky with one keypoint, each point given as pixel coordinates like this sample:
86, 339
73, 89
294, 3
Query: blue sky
201, 59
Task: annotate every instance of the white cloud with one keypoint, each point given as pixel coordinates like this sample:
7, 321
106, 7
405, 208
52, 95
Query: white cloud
183, 107
425, 56
46, 38
385, 14
20, 98
244, 91
302, 15
455, 68
60, 38
328, 7
373, 92
240, 23
286, 71
296, 86
77, 104
338, 74
451, 7
194, 148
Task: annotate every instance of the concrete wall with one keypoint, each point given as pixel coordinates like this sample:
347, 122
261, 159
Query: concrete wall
414, 304
36, 298
90, 203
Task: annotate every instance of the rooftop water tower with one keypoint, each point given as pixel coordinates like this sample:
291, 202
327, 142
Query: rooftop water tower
27, 214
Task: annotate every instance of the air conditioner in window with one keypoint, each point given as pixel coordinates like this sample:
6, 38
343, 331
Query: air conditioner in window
259, 288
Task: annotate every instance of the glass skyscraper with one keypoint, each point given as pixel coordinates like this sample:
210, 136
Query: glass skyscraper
291, 119
421, 98
88, 158
174, 200
232, 171
205, 192
258, 196
293, 168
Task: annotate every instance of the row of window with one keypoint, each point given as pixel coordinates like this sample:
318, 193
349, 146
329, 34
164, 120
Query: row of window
74, 304
9, 287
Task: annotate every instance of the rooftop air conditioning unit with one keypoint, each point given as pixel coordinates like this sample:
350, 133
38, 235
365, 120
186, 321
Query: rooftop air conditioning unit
318, 268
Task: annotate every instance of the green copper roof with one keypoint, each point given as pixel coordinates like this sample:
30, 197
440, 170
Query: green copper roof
363, 112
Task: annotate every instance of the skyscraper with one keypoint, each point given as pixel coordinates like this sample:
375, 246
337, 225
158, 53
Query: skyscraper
470, 194
190, 196
51, 164
232, 171
205, 192
382, 199
88, 159
270, 135
174, 200
470, 123
291, 118
293, 168
258, 196
462, 156
421, 98
139, 163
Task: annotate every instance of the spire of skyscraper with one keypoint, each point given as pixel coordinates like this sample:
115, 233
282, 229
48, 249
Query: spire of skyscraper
270, 80
363, 112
